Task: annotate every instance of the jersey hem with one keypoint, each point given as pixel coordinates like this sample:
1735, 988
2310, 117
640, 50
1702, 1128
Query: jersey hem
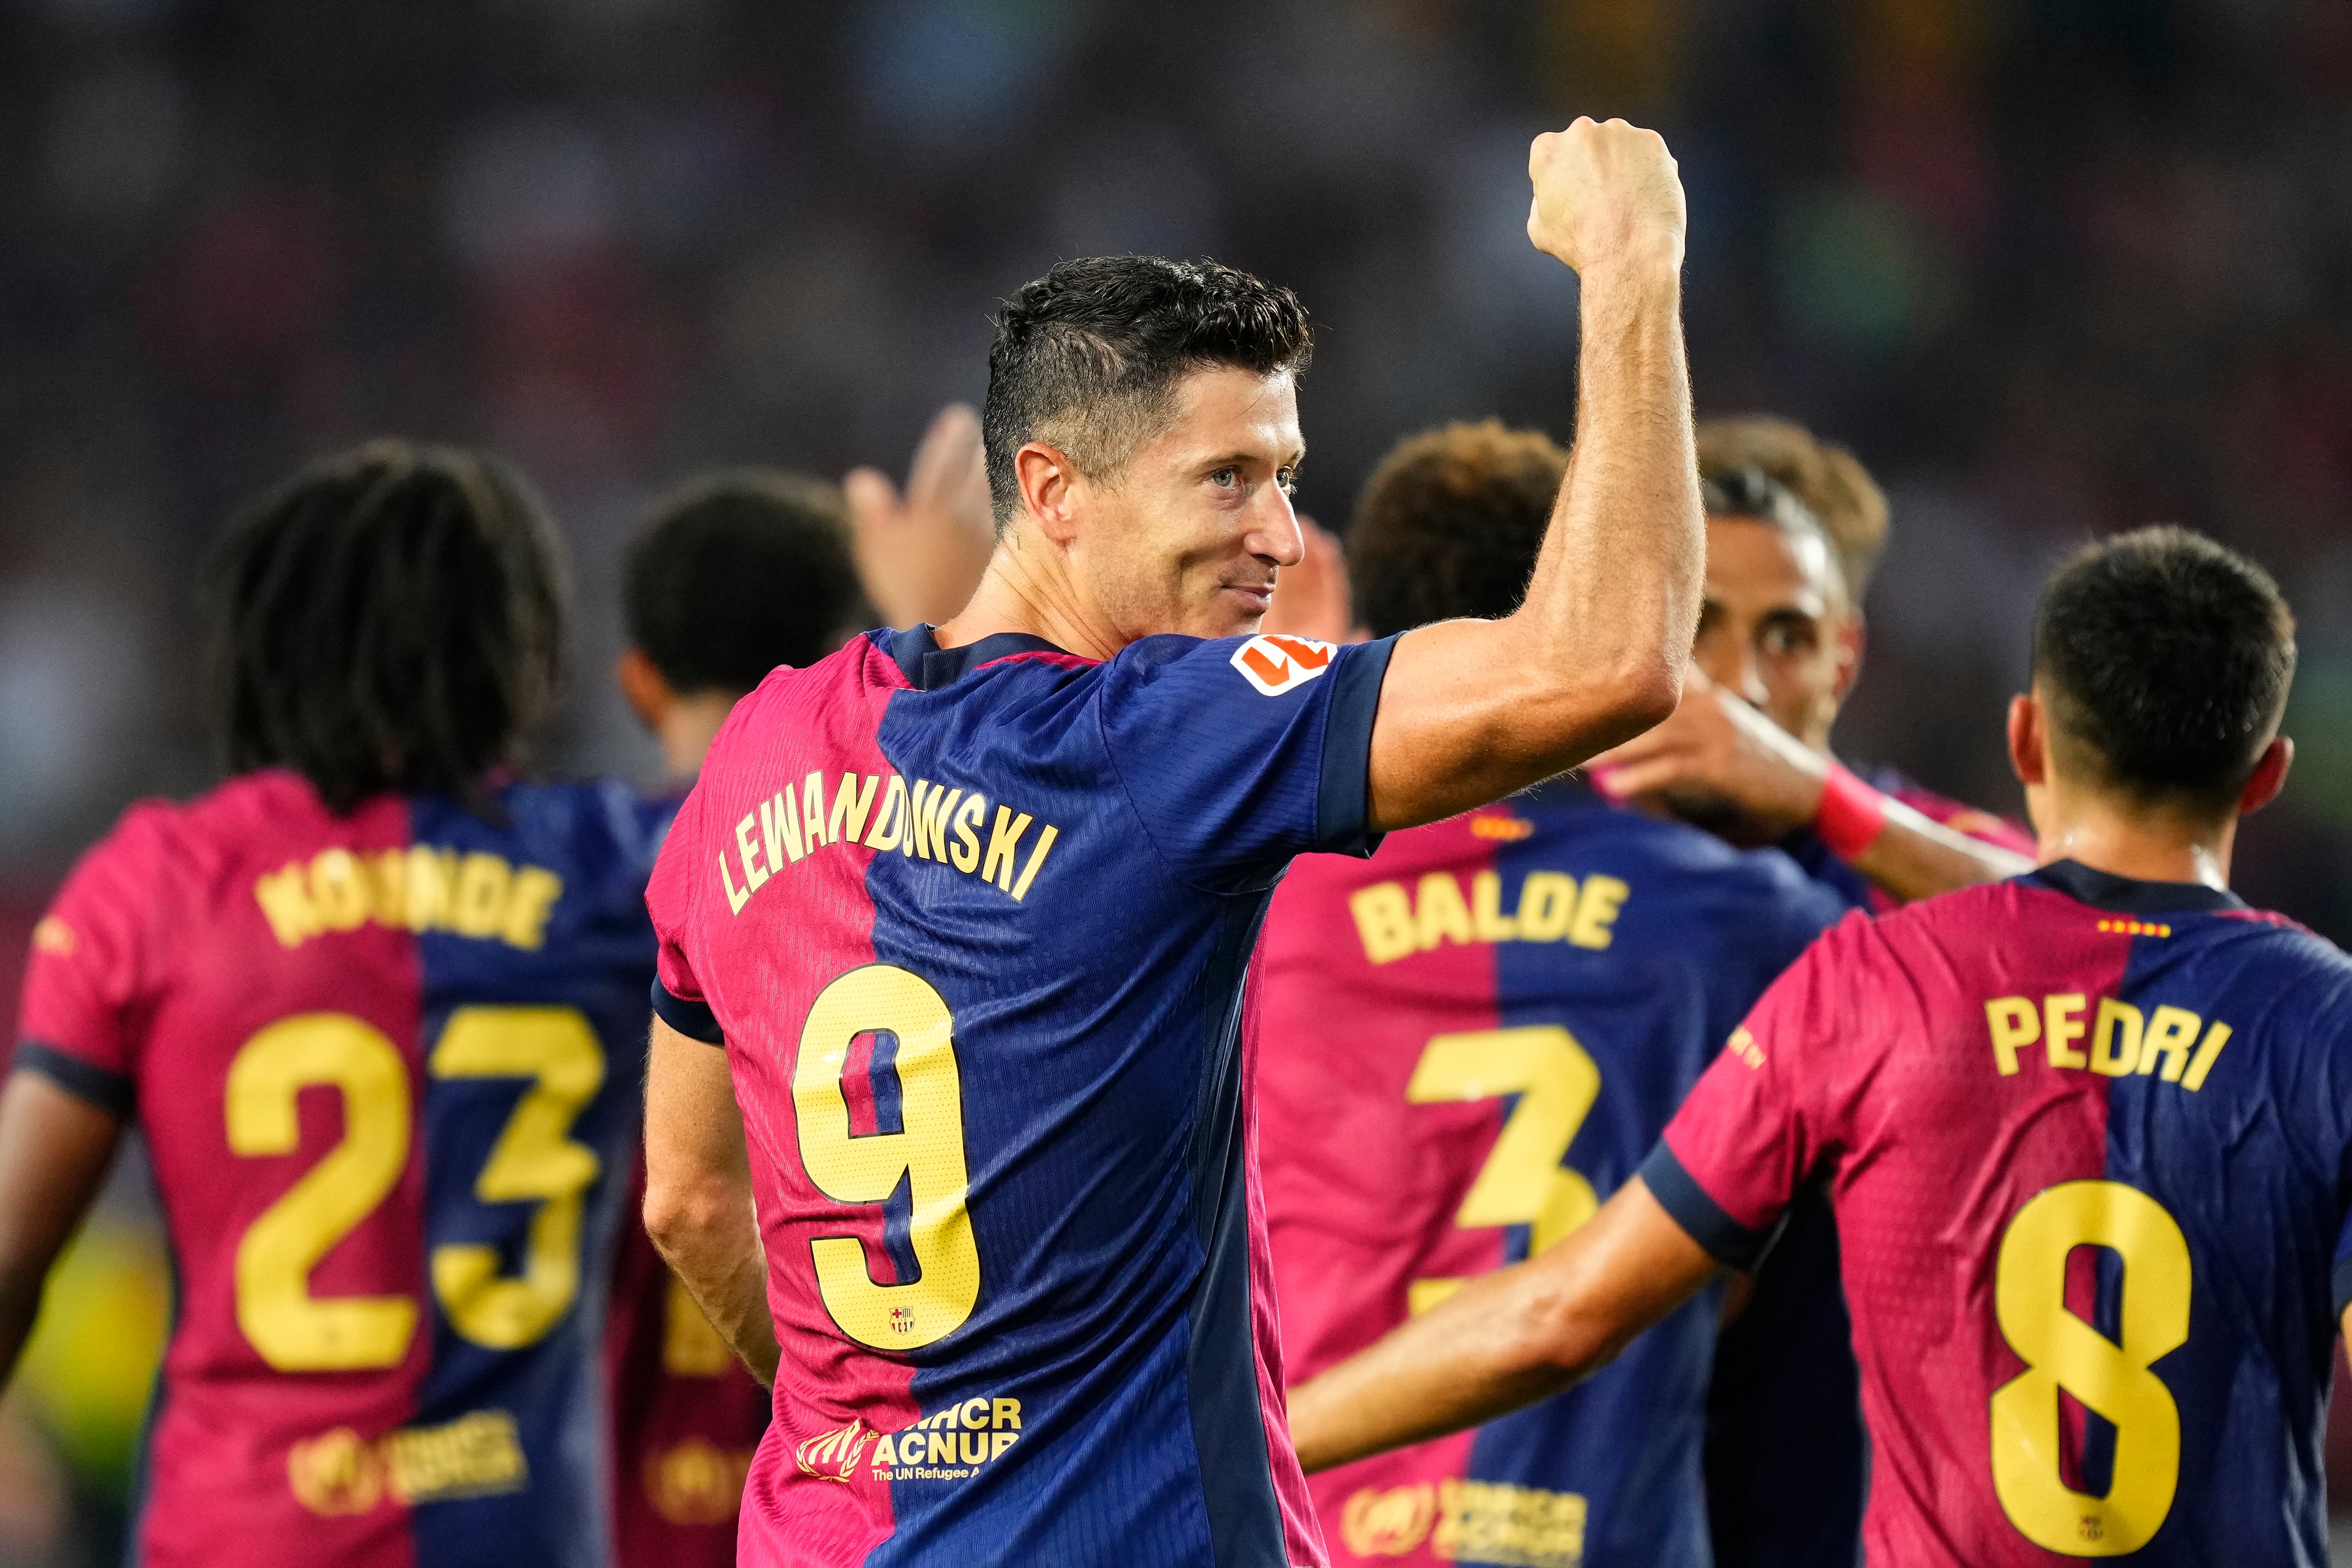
694, 1020
109, 1091
1678, 1193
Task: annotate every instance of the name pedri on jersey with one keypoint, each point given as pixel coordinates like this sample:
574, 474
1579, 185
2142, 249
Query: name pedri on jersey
972, 925
386, 1069
2086, 1141
1470, 1041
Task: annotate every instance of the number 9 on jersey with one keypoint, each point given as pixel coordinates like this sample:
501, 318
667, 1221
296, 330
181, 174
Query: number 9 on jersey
917, 1146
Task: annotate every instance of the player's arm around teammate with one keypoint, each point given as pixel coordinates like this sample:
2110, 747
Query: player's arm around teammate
1511, 1338
1186, 536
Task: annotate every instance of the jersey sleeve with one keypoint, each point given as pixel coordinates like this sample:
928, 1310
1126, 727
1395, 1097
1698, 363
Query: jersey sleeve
678, 996
1240, 754
1757, 1125
89, 978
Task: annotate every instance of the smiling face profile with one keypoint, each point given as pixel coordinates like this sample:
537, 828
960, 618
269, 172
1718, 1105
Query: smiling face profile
1188, 533
1141, 437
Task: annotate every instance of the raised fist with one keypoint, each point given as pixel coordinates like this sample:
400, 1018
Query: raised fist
1605, 193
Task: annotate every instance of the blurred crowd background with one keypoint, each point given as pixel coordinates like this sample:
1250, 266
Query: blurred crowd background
2049, 266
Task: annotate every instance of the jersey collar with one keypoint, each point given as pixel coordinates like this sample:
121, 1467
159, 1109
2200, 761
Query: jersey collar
929, 667
2128, 895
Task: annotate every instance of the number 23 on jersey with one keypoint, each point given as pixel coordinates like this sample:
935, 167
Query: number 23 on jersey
534, 1160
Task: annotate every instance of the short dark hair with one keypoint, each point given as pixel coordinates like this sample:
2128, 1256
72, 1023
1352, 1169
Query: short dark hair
1831, 480
390, 618
1450, 523
730, 576
1088, 357
1748, 491
2164, 661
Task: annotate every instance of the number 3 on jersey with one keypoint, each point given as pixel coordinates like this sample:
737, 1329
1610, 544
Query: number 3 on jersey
2109, 1376
911, 1164
1522, 1181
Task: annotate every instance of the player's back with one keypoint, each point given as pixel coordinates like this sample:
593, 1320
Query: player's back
1467, 1042
1786, 1457
2087, 1141
973, 926
386, 1066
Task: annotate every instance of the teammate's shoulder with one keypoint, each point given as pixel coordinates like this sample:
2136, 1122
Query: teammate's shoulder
242, 817
592, 828
2005, 904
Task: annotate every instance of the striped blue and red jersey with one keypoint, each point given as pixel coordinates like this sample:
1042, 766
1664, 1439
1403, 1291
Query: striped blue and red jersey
386, 1068
1470, 1041
1786, 1456
2087, 1141
972, 925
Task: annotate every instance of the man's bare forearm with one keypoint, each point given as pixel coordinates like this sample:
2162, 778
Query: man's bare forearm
714, 1250
698, 1205
1915, 856
1473, 710
55, 1148
1481, 1353
1615, 593
1507, 1339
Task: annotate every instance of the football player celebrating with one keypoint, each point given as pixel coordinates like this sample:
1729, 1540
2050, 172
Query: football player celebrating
727, 578
1780, 643
2086, 1131
374, 1005
1473, 1036
970, 910
1794, 528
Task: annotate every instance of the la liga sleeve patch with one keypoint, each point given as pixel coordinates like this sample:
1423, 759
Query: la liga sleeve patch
1275, 664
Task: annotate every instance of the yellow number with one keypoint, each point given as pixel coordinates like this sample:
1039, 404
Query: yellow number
535, 1159
2062, 1351
927, 1153
690, 1346
292, 1330
1522, 1181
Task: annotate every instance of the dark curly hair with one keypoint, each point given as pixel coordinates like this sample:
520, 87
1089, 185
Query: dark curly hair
2166, 661
1450, 523
390, 618
1088, 357
731, 576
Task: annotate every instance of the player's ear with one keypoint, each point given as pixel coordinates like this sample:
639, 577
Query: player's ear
649, 695
2026, 741
1048, 483
2270, 777
1851, 639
